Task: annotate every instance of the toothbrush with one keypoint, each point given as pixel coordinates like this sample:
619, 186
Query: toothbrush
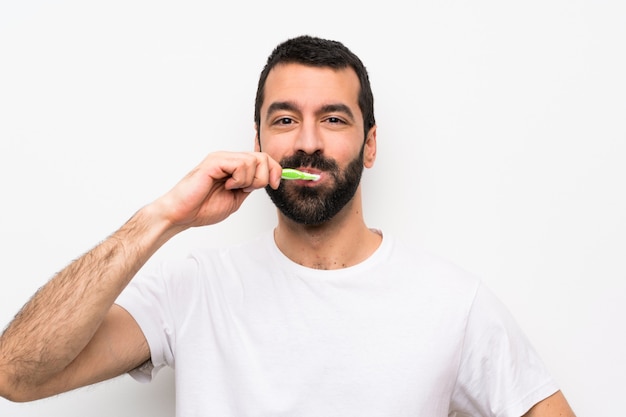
294, 174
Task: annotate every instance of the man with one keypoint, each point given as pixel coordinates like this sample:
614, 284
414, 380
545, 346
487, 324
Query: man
322, 317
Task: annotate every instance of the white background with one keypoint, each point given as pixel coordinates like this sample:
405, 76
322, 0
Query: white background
502, 139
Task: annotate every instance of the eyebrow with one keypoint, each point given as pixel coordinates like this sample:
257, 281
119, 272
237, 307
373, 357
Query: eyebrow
337, 108
280, 105
328, 108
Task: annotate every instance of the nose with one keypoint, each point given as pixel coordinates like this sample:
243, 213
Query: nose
309, 139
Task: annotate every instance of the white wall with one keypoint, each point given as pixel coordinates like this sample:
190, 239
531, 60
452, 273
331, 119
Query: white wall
502, 140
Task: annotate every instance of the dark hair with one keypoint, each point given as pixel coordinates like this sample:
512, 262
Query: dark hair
317, 52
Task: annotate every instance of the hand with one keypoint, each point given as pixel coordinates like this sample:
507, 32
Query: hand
217, 187
81, 338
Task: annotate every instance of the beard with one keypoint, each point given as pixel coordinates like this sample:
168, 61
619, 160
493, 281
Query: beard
318, 204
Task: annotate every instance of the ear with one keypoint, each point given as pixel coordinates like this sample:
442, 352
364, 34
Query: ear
369, 150
257, 141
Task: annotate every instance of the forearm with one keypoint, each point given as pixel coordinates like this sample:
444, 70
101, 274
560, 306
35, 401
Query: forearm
62, 317
53, 329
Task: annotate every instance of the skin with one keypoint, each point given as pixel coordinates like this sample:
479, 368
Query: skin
70, 334
554, 406
319, 112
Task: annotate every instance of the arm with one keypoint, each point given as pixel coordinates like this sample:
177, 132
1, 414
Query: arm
70, 334
554, 406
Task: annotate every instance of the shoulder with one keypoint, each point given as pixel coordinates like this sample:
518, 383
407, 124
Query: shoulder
248, 253
429, 266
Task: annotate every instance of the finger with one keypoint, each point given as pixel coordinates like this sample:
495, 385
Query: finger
275, 173
245, 172
268, 172
261, 174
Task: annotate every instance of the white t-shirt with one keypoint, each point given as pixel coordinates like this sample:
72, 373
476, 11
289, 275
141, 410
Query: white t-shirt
251, 333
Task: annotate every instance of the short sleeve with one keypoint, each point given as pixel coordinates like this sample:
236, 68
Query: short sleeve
147, 299
500, 373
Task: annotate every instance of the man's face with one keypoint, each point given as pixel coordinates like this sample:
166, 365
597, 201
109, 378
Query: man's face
310, 120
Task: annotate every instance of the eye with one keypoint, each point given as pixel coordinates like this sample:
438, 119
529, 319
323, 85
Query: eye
335, 120
284, 121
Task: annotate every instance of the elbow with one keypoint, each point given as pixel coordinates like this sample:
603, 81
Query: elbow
12, 396
9, 390
17, 396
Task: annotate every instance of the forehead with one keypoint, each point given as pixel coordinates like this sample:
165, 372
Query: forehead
311, 86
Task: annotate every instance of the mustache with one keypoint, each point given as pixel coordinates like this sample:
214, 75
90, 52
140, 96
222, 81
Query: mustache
315, 160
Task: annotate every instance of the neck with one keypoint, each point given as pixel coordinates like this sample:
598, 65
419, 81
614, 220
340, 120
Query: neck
343, 241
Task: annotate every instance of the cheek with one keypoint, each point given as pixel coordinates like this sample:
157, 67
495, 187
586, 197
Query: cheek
274, 148
347, 154
281, 143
